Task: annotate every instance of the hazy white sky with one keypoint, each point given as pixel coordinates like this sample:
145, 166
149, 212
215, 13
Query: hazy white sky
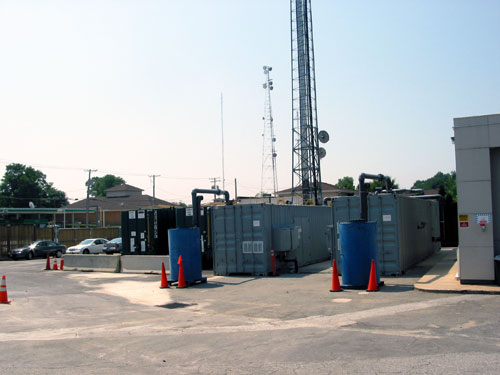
133, 88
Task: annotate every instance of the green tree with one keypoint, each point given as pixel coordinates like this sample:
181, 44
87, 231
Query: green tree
444, 183
21, 185
346, 183
374, 185
99, 185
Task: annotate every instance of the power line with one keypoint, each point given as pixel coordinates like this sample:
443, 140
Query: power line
115, 172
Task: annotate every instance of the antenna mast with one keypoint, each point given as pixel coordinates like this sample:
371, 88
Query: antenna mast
306, 172
269, 178
222, 130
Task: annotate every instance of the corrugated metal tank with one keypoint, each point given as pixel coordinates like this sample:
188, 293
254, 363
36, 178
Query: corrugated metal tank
242, 236
185, 242
408, 229
358, 245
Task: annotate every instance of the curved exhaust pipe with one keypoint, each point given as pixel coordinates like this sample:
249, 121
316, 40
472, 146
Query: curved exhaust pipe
196, 201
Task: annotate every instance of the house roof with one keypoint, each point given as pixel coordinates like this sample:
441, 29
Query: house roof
325, 187
120, 203
123, 187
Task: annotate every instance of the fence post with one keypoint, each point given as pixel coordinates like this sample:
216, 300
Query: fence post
8, 237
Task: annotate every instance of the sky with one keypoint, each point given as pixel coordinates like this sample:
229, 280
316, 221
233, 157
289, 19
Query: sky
133, 88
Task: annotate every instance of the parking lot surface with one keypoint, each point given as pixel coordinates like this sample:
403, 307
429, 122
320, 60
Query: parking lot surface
64, 322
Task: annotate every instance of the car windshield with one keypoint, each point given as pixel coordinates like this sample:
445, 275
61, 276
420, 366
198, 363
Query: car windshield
86, 242
33, 244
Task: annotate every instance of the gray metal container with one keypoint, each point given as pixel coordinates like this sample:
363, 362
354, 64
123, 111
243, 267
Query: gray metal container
242, 237
408, 229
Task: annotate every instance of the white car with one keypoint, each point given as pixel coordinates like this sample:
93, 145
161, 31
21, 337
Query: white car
90, 246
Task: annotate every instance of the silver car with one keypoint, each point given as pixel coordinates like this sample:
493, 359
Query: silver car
89, 246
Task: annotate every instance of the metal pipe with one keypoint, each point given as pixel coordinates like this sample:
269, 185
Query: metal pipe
409, 191
429, 196
326, 200
363, 192
196, 201
196, 215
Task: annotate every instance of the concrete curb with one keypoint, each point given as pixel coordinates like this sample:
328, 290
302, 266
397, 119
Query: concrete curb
441, 278
87, 262
144, 263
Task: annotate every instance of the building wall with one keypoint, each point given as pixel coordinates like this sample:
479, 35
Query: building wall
106, 218
477, 162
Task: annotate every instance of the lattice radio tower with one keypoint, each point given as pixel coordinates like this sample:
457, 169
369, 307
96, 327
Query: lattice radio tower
269, 180
306, 153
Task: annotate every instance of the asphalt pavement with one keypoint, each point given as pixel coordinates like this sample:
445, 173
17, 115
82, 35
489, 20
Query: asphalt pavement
66, 322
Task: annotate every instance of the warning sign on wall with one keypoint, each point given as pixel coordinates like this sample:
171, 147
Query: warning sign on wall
483, 218
464, 221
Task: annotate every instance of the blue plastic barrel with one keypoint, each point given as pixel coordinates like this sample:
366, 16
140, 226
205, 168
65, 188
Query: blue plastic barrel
358, 246
185, 242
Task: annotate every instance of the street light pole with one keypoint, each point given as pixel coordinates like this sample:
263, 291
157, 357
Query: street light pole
87, 200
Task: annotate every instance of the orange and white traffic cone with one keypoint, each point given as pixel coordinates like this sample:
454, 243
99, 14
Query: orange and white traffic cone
62, 263
164, 281
182, 281
372, 283
3, 291
47, 265
335, 278
54, 267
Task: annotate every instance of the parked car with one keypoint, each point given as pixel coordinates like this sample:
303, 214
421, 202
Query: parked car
89, 246
113, 246
38, 249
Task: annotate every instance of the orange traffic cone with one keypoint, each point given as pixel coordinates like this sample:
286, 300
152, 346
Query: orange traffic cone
182, 281
372, 284
47, 266
335, 278
3, 291
62, 264
164, 281
54, 267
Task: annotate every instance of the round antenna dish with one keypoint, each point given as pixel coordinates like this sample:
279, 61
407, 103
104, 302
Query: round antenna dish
322, 152
323, 136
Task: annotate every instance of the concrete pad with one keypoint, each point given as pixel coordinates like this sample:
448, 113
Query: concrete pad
87, 262
321, 267
442, 276
145, 263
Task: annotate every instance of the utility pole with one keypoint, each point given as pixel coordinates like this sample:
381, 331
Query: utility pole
87, 200
214, 181
154, 185
235, 190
